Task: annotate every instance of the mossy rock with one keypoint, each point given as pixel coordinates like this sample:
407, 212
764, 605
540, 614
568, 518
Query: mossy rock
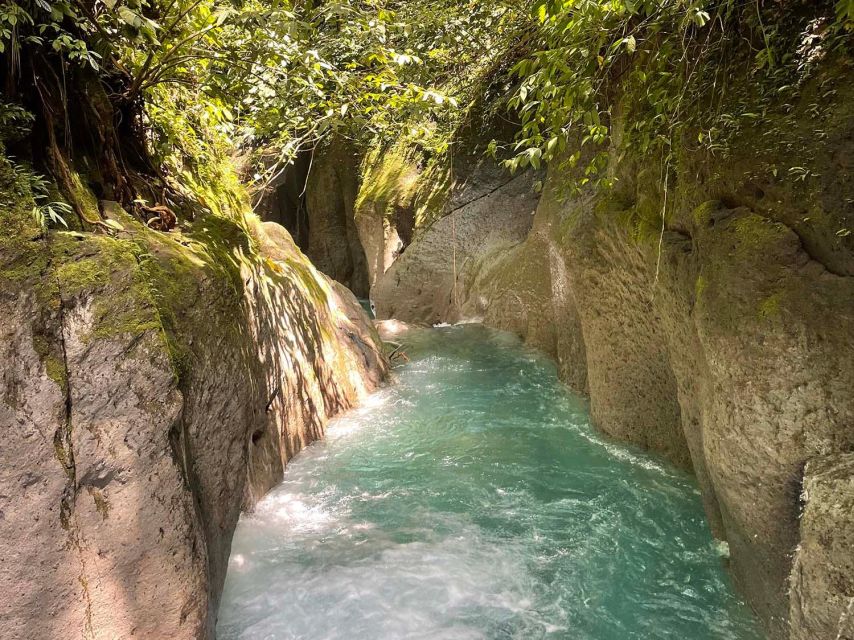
49, 354
394, 180
389, 179
754, 233
770, 307
702, 215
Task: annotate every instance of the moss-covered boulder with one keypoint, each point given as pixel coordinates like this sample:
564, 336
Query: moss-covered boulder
154, 385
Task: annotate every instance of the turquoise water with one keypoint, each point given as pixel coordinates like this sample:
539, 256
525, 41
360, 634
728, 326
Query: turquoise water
471, 500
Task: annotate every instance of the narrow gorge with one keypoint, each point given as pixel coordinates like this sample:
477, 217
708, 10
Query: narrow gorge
569, 282
722, 341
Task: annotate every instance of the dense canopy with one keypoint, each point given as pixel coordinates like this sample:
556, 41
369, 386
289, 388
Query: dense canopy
191, 83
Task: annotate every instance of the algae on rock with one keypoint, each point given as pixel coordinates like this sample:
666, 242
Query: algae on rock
156, 385
709, 317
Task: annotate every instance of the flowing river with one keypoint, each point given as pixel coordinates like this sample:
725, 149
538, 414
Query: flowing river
471, 499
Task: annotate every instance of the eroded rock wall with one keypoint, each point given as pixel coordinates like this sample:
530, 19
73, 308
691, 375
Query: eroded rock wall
822, 604
390, 198
334, 246
722, 338
314, 200
423, 284
153, 387
425, 227
524, 287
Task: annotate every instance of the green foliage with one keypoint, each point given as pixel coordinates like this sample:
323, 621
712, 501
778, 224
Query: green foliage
669, 64
272, 79
15, 121
42, 23
52, 213
45, 211
214, 74
372, 71
845, 13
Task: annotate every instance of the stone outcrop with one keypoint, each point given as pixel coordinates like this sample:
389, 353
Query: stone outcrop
386, 209
153, 386
314, 200
822, 586
720, 338
422, 284
422, 230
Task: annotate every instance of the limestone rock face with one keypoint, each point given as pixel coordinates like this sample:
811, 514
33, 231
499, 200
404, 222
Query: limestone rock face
822, 604
150, 392
334, 246
737, 362
382, 243
314, 200
423, 284
523, 288
721, 339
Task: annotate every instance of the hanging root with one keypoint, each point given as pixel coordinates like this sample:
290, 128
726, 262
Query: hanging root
66, 182
107, 133
159, 217
397, 354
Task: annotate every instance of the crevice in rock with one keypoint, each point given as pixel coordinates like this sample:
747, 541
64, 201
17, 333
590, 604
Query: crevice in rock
65, 453
62, 437
314, 199
813, 256
733, 202
286, 203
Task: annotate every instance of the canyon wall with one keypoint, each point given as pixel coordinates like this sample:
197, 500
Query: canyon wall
153, 387
314, 200
719, 335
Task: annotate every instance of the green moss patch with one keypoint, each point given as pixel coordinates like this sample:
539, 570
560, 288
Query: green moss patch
755, 233
390, 178
50, 357
769, 308
700, 286
432, 194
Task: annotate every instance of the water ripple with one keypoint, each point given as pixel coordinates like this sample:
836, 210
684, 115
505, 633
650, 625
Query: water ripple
471, 500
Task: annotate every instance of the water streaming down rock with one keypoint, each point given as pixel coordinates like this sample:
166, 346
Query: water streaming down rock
471, 499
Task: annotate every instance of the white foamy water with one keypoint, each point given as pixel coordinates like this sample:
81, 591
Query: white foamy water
471, 500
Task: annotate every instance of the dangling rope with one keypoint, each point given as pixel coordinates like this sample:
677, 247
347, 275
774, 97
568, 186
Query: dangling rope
663, 225
454, 240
